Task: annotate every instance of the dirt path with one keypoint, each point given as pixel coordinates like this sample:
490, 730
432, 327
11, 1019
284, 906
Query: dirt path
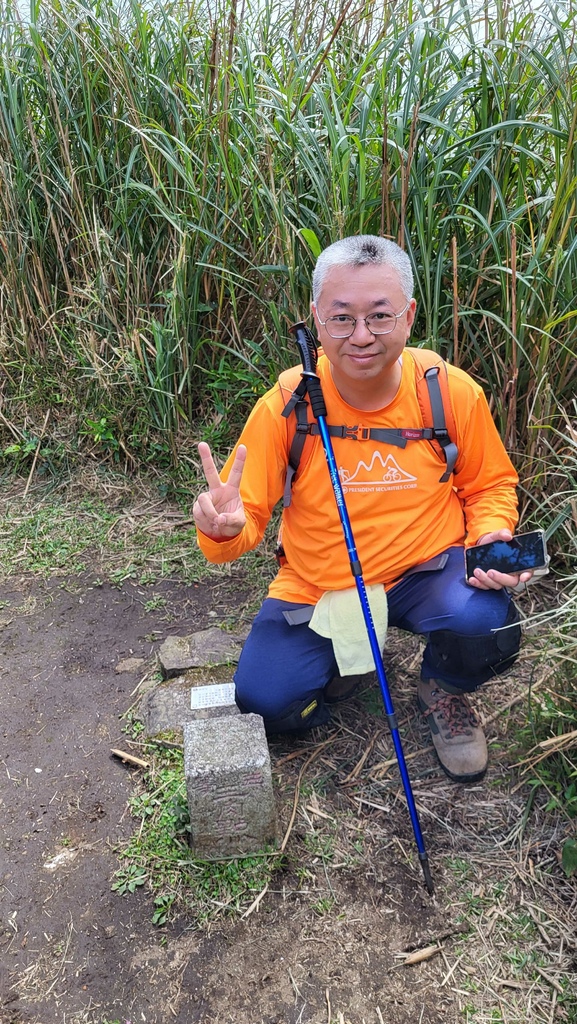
327, 942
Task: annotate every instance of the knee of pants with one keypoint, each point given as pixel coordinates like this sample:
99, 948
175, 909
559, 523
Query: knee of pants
477, 657
274, 700
296, 717
281, 663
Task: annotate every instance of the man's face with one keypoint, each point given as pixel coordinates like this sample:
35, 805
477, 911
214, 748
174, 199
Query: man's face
358, 292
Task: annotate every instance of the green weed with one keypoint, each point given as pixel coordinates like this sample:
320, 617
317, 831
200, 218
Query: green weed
155, 603
158, 856
150, 302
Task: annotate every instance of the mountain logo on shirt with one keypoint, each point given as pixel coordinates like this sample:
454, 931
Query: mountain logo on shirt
379, 475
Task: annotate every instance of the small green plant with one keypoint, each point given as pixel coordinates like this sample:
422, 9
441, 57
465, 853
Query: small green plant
158, 856
133, 725
155, 603
128, 879
324, 905
20, 451
103, 435
162, 906
569, 857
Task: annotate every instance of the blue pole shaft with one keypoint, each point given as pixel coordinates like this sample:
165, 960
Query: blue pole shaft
375, 649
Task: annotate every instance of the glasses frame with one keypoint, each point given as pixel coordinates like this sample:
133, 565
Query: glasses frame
356, 320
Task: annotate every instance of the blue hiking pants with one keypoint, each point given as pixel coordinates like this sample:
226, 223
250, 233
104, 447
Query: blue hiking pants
472, 635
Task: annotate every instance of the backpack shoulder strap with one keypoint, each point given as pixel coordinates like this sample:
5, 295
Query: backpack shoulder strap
291, 380
434, 399
434, 402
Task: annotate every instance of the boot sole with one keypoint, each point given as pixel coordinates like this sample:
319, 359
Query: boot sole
470, 777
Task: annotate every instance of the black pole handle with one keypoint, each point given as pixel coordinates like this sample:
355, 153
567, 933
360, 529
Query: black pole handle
307, 345
308, 349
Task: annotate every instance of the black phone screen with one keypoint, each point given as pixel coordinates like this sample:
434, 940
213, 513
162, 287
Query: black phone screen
526, 551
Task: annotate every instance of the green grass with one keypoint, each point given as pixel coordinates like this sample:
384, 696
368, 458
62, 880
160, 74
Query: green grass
116, 529
55, 537
168, 180
158, 856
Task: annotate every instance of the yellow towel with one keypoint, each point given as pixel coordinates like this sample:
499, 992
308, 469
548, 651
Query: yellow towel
339, 616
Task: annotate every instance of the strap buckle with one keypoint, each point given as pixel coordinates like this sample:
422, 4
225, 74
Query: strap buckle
356, 433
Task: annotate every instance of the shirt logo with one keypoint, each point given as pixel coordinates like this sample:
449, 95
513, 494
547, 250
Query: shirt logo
380, 475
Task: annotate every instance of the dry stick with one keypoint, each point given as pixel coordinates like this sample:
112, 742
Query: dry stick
455, 303
63, 960
551, 981
36, 454
513, 701
308, 761
555, 742
130, 758
255, 903
355, 771
554, 745
512, 383
419, 955
324, 54
383, 765
15, 433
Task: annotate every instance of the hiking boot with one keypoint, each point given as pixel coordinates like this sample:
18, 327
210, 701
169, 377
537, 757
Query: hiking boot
456, 731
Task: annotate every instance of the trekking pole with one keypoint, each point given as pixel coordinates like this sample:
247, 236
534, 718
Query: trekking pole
311, 383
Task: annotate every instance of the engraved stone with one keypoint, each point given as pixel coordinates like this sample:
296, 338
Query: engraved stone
209, 647
167, 707
229, 787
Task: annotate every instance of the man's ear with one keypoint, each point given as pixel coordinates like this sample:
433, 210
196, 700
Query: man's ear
411, 312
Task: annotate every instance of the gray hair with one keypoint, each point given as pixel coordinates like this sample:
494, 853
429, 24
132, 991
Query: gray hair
357, 251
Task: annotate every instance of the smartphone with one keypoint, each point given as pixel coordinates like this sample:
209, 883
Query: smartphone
525, 551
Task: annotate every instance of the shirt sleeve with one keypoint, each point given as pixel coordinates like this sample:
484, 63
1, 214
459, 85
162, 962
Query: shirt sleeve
262, 484
485, 479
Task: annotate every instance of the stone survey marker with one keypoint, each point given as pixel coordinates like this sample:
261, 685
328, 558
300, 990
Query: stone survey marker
226, 758
229, 786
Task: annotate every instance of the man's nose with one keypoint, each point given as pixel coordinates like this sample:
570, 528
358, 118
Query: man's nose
361, 334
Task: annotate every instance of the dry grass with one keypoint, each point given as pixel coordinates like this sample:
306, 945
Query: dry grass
502, 943
508, 949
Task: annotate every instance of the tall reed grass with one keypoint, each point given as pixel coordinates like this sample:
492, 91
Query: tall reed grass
169, 171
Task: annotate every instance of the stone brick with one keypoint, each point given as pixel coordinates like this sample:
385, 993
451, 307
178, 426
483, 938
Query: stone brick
167, 707
208, 647
229, 787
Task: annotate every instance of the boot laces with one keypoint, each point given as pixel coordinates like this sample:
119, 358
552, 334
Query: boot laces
455, 711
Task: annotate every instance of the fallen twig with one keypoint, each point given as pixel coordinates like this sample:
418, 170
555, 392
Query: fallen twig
36, 454
130, 758
419, 955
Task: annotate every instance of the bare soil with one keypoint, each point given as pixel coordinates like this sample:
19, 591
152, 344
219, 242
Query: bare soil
329, 939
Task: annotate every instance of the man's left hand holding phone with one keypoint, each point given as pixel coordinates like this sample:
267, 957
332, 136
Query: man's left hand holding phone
492, 579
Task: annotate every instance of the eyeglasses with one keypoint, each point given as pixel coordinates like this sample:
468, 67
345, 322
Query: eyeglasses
343, 326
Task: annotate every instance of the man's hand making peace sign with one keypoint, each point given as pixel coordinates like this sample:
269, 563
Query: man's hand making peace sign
219, 512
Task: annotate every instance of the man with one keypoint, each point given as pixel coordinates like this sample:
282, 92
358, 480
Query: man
410, 529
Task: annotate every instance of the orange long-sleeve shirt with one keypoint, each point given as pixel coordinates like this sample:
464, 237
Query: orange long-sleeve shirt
400, 514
